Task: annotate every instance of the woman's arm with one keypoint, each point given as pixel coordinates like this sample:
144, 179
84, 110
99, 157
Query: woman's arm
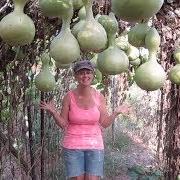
106, 119
61, 118
65, 110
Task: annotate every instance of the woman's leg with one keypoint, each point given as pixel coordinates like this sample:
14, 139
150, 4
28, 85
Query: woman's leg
90, 177
94, 164
74, 164
78, 178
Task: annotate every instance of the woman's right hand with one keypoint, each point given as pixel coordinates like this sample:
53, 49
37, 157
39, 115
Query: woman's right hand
48, 106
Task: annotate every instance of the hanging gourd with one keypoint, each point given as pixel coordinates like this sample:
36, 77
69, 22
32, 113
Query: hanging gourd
135, 62
109, 23
54, 8
64, 48
92, 37
152, 40
45, 81
82, 13
97, 77
62, 66
137, 34
94, 60
80, 24
97, 16
136, 10
132, 53
77, 4
150, 75
174, 74
122, 42
176, 55
112, 60
78, 27
16, 28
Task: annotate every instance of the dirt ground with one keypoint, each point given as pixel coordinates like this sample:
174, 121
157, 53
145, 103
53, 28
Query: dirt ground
137, 154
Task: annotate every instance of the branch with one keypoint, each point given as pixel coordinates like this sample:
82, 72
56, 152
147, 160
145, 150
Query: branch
2, 9
13, 151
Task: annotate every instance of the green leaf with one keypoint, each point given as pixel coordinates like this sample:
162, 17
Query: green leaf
133, 175
138, 170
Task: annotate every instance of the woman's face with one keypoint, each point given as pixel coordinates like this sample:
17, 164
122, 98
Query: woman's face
84, 77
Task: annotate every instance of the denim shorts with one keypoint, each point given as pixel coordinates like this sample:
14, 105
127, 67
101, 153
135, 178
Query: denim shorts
80, 161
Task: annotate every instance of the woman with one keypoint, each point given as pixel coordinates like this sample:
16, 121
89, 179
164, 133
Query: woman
82, 115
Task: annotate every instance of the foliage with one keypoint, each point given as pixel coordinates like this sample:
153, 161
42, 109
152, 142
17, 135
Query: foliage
141, 173
121, 143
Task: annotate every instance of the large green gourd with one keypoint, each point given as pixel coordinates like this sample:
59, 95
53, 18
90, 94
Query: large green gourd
135, 62
137, 34
152, 40
122, 42
176, 55
109, 23
136, 10
174, 74
54, 8
16, 28
94, 60
80, 24
45, 81
82, 13
132, 53
92, 37
78, 27
77, 4
64, 48
150, 75
113, 60
62, 66
97, 77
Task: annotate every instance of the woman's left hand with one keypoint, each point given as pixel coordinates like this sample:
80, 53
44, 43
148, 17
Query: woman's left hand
123, 109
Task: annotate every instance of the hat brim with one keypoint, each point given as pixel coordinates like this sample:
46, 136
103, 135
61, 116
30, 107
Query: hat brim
84, 67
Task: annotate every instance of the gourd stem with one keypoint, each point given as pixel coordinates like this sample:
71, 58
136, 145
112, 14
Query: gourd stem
45, 59
19, 5
66, 24
112, 16
152, 56
88, 7
111, 39
67, 19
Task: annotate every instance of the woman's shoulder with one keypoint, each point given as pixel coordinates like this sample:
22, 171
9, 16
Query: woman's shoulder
97, 92
70, 94
98, 96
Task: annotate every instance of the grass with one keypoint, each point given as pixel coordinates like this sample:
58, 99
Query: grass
121, 142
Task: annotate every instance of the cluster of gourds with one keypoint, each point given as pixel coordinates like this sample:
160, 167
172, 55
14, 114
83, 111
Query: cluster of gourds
99, 36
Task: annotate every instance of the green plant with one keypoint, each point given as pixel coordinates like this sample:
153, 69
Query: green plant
141, 173
121, 143
112, 165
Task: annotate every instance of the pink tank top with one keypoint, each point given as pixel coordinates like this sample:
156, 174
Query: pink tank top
84, 131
